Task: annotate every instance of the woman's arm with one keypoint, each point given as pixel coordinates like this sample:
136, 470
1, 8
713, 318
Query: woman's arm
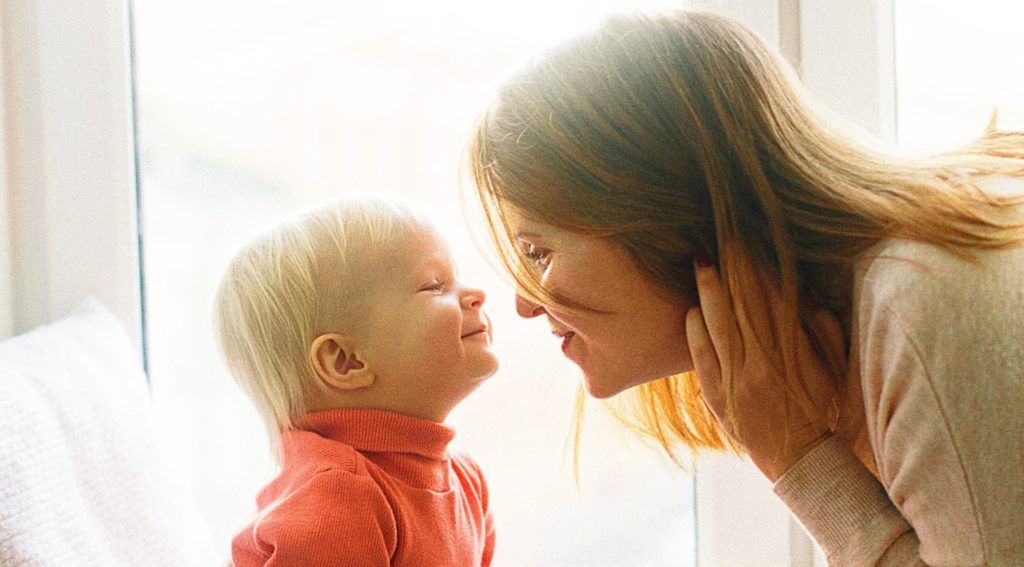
939, 347
847, 510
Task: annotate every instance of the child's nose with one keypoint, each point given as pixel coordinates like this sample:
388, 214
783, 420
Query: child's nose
473, 298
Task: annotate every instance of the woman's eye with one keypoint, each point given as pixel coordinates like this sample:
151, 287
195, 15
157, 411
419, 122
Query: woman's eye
538, 257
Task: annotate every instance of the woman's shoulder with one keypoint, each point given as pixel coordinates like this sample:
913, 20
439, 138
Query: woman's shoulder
925, 284
895, 266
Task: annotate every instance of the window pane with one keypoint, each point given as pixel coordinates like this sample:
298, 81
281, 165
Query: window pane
955, 63
249, 111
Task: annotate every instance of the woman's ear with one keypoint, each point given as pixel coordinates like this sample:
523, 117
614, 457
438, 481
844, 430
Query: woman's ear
336, 363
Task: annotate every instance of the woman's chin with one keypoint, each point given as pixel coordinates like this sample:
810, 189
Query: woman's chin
603, 388
601, 391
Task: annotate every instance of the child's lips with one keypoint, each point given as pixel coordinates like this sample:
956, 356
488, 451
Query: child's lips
480, 331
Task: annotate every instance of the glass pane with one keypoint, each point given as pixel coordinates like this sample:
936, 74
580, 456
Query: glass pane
955, 63
249, 111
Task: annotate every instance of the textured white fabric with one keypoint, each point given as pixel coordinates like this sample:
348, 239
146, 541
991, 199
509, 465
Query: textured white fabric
81, 482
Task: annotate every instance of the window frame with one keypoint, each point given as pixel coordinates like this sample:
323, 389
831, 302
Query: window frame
69, 180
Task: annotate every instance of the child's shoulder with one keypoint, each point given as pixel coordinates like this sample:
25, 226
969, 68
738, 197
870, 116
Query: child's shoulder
311, 462
313, 454
339, 498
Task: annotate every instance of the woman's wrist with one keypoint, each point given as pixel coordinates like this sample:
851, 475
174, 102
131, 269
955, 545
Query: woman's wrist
774, 466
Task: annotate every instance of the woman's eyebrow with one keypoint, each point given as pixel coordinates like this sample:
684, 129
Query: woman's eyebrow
527, 235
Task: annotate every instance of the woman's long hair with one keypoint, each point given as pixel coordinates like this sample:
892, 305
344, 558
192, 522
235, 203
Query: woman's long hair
681, 134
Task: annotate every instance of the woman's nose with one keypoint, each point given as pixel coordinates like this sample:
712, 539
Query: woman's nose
473, 298
526, 308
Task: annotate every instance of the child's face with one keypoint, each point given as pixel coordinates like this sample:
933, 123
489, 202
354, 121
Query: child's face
427, 337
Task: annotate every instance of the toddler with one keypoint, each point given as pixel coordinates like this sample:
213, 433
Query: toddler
351, 333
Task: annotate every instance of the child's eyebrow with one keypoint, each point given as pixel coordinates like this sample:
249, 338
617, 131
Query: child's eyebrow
430, 263
434, 263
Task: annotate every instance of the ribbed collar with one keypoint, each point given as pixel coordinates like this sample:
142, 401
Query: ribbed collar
380, 431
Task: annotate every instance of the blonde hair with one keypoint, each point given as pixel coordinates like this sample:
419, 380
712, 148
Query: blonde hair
680, 134
292, 283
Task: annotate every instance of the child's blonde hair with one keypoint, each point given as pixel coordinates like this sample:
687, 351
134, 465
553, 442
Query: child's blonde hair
294, 282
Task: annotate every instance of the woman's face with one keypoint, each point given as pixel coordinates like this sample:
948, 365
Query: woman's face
639, 333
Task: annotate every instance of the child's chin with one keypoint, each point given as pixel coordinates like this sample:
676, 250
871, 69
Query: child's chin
487, 368
485, 374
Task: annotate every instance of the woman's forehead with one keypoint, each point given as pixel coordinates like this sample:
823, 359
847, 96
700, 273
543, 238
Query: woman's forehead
521, 224
525, 227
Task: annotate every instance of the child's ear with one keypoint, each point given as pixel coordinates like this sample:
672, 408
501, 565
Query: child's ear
335, 361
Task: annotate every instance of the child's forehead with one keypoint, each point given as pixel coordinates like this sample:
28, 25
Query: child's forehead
418, 238
414, 249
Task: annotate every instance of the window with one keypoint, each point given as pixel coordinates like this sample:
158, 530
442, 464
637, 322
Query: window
250, 111
953, 67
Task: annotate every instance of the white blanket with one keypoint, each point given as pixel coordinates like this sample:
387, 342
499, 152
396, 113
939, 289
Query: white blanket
81, 482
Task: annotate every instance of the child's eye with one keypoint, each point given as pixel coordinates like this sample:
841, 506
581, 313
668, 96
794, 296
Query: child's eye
436, 285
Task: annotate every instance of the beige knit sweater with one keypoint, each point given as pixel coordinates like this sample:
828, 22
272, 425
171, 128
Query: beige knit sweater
939, 347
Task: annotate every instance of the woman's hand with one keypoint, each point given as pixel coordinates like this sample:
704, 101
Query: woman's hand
769, 424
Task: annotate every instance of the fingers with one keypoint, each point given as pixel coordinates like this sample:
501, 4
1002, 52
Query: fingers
705, 359
828, 334
717, 315
831, 331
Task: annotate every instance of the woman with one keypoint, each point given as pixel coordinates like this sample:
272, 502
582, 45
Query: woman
664, 193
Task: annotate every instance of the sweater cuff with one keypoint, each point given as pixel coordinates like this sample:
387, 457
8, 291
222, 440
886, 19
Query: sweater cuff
840, 502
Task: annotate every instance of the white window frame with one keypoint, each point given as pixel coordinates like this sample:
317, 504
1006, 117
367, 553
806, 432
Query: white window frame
69, 226
68, 223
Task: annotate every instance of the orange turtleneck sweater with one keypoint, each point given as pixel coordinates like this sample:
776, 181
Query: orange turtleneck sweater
361, 488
